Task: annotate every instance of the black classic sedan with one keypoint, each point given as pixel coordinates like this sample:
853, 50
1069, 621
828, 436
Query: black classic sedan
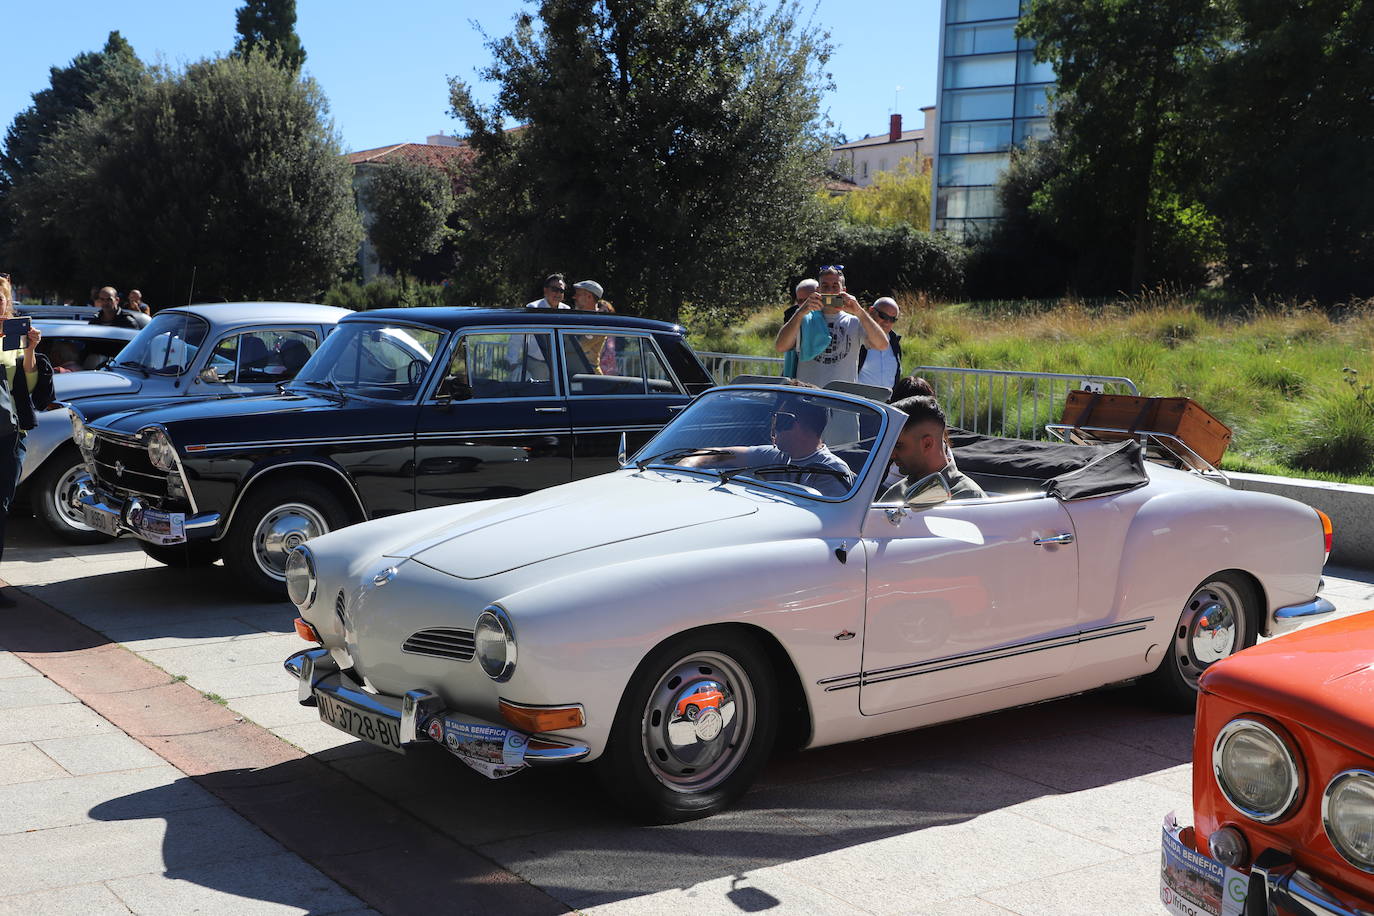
399, 409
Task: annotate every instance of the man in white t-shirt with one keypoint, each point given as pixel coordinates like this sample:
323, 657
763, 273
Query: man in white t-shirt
555, 288
849, 326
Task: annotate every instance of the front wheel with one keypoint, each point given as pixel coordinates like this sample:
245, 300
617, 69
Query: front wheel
1219, 619
50, 497
270, 523
668, 768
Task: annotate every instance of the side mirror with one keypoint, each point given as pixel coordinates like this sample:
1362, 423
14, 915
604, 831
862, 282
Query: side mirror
620, 453
210, 376
930, 490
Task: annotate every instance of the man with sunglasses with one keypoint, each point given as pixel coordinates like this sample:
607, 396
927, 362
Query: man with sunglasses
882, 368
849, 325
107, 299
795, 429
555, 288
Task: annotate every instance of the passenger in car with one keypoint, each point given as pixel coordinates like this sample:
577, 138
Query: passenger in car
921, 451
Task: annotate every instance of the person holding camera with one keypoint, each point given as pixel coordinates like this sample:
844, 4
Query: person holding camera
849, 327
25, 388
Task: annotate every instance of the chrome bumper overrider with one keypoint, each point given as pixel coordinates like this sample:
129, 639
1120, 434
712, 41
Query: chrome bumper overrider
1279, 887
1294, 615
316, 671
118, 511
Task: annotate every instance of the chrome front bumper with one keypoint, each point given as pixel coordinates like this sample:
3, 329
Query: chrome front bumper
1287, 619
317, 672
1278, 886
117, 513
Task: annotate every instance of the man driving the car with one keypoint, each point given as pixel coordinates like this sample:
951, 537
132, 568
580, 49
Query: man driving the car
921, 451
795, 428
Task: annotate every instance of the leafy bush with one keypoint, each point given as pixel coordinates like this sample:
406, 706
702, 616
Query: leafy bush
388, 292
880, 261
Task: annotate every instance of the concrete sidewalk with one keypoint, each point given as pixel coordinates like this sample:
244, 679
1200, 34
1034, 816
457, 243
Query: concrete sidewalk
93, 822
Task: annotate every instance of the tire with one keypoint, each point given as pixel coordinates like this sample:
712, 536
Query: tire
183, 556
689, 712
1219, 619
50, 491
667, 769
268, 524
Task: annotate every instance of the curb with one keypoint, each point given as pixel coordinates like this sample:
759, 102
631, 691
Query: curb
391, 860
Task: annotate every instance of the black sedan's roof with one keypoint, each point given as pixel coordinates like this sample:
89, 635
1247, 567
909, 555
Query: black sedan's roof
462, 317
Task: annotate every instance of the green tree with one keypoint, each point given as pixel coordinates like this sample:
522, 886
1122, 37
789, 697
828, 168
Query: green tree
669, 148
269, 26
1290, 130
1125, 117
902, 196
410, 204
229, 170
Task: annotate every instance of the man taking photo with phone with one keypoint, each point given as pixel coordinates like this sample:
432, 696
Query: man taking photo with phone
848, 325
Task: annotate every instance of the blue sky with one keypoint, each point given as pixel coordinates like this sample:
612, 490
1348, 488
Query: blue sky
385, 65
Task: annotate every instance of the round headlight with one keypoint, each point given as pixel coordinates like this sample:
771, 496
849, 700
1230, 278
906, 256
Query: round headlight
495, 643
161, 452
81, 435
1256, 770
300, 577
1348, 815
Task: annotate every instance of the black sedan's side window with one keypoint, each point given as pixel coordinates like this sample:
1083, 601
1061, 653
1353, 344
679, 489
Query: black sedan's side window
597, 364
505, 364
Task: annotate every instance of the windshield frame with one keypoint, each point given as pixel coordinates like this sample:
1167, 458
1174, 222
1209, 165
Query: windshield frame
152, 330
298, 384
880, 440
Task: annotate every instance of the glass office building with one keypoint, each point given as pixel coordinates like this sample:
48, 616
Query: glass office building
992, 94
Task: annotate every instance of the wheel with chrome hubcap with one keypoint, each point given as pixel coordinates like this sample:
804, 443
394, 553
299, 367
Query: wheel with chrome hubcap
1219, 619
50, 496
670, 767
272, 522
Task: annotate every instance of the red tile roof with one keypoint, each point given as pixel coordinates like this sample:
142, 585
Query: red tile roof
426, 153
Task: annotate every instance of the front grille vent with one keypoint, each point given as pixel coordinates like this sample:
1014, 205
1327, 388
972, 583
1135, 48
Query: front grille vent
339, 608
441, 642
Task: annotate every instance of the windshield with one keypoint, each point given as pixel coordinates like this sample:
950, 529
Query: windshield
167, 345
801, 440
372, 360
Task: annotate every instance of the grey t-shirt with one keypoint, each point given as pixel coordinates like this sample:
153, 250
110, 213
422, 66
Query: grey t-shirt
840, 360
827, 484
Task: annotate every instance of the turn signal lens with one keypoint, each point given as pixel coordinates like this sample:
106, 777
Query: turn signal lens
536, 719
307, 632
1228, 847
1326, 530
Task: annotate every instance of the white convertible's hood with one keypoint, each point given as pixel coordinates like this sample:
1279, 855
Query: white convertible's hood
580, 516
69, 386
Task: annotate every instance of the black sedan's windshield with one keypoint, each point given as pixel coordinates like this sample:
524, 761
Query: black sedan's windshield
372, 360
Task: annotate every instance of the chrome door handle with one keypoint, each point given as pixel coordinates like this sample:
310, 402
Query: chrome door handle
1057, 539
550, 410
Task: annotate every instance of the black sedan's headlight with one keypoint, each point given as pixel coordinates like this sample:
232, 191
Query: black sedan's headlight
495, 643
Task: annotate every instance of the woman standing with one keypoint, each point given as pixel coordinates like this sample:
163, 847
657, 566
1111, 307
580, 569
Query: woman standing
25, 388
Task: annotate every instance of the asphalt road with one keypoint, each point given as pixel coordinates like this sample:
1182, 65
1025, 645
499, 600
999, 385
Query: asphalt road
1053, 809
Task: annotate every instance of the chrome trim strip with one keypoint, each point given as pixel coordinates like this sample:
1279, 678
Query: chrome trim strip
238, 498
181, 470
1277, 885
97, 500
201, 449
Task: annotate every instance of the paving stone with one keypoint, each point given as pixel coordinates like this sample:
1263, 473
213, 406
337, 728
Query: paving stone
248, 887
1125, 816
752, 892
126, 795
1177, 779
964, 906
26, 763
37, 723
314, 737
1168, 736
35, 690
1071, 764
106, 753
243, 681
184, 634
271, 710
175, 843
226, 654
85, 899
1124, 887
13, 666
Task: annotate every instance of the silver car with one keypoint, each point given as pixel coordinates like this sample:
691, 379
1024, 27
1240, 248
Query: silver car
231, 349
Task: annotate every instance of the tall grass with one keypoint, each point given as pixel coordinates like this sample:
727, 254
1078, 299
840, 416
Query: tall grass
1271, 373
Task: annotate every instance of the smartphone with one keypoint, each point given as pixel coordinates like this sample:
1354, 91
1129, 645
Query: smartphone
828, 299
15, 330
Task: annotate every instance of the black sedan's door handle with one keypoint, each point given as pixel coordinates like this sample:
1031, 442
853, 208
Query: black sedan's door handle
550, 410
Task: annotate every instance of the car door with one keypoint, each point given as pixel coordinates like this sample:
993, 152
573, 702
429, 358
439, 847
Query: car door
257, 360
616, 383
495, 424
966, 597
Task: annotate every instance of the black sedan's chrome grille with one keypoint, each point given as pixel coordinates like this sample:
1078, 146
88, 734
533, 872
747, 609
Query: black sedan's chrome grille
441, 642
125, 469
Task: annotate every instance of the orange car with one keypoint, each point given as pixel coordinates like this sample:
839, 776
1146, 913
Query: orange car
707, 695
1283, 781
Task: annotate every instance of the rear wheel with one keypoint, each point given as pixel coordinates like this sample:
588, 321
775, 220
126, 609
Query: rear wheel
183, 556
1219, 619
271, 522
668, 768
51, 492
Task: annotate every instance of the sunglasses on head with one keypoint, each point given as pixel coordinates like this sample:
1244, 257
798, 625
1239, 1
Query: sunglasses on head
832, 268
3, 275
782, 422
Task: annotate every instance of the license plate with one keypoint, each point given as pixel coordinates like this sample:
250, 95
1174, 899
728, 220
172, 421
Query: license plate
366, 726
159, 527
103, 522
1192, 884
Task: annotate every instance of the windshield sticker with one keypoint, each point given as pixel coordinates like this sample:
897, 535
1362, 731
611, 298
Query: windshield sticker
1193, 884
492, 750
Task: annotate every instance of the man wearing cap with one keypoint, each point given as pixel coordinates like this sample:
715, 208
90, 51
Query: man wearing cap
585, 294
849, 325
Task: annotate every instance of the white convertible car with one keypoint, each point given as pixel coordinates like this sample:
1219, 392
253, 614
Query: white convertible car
673, 620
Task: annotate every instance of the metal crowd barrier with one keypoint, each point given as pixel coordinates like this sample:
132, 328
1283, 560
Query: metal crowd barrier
992, 401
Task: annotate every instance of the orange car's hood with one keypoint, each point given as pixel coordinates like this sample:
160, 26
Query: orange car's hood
1322, 677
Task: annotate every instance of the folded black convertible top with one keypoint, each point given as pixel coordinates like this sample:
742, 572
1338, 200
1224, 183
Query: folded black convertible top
1066, 471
